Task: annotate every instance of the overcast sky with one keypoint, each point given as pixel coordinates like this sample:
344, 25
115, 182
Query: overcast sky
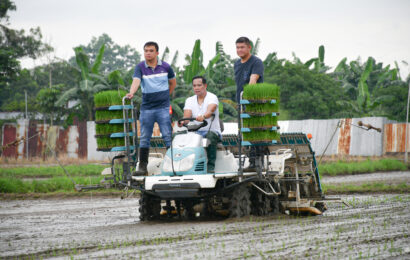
347, 28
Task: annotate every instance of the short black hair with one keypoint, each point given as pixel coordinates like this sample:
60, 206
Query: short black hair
152, 44
243, 39
199, 77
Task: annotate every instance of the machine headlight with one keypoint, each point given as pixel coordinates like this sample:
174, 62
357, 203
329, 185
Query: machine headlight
186, 163
179, 166
167, 166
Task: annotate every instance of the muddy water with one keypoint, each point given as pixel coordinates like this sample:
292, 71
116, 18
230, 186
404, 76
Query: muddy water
373, 226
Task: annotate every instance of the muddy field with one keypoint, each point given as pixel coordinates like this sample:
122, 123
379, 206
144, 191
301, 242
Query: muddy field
374, 226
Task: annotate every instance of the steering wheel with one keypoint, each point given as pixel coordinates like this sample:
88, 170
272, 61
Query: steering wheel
195, 127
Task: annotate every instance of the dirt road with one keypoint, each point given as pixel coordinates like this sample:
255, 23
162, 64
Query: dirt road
373, 226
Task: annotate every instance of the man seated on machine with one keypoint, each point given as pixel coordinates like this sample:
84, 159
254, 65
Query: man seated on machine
204, 106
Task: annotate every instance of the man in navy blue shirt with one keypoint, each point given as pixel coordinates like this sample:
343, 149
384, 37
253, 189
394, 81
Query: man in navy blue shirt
157, 80
248, 70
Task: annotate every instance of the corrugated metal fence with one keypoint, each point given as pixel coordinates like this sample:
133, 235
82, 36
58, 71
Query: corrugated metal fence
341, 137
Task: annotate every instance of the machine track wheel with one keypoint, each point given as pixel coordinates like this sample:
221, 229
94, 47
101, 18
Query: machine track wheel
261, 205
275, 205
188, 212
149, 208
240, 205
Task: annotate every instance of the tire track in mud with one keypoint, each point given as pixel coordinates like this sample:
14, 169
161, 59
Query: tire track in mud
374, 226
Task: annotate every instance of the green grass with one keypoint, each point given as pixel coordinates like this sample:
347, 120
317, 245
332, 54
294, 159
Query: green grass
55, 184
51, 171
339, 168
367, 187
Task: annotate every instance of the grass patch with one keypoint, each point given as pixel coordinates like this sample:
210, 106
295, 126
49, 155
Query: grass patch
340, 168
56, 184
52, 171
367, 187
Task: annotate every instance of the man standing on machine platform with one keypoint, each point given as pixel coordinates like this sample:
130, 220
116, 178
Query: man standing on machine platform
248, 70
157, 80
202, 106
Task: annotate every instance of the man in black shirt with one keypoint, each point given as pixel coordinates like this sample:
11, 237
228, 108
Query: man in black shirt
248, 70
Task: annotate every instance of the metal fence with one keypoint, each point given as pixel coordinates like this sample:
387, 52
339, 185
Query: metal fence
340, 137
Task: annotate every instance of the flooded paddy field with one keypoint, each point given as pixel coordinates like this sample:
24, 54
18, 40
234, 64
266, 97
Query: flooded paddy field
375, 226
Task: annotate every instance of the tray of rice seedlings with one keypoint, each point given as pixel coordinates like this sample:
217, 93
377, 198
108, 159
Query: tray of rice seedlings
262, 108
260, 137
260, 117
108, 129
107, 144
105, 116
109, 119
105, 99
265, 121
260, 93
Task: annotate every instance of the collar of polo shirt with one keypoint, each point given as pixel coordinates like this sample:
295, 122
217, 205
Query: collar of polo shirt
159, 63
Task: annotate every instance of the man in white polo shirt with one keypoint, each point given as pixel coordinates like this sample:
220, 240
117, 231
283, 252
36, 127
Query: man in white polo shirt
202, 106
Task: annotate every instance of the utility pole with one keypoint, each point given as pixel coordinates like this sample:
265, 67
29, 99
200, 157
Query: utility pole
407, 122
26, 125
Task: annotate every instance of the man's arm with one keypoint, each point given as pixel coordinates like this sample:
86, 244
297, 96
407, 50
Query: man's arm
172, 84
254, 79
256, 72
187, 114
209, 111
134, 87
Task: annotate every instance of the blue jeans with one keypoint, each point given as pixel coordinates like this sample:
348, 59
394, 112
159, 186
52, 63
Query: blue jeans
147, 119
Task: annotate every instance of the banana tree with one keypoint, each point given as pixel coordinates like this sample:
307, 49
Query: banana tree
218, 74
194, 66
356, 79
319, 62
255, 47
91, 82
